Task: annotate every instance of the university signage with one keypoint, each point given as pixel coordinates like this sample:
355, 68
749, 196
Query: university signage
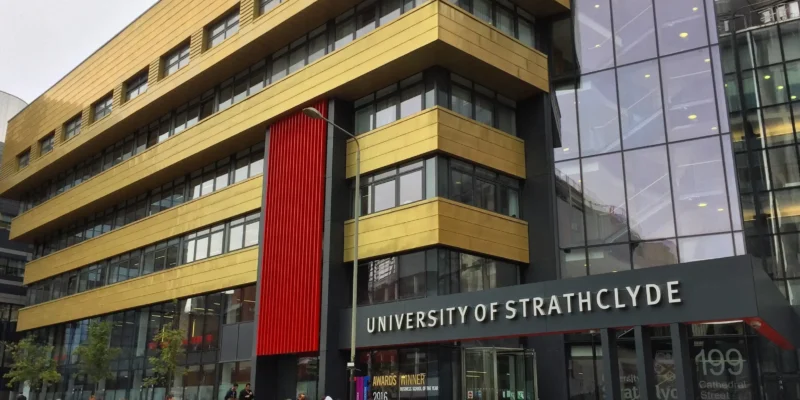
712, 290
519, 309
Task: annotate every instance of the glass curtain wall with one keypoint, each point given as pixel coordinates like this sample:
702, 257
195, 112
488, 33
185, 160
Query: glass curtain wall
202, 320
764, 114
645, 175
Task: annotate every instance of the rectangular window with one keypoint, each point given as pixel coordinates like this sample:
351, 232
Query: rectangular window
46, 144
72, 128
264, 6
102, 107
223, 29
24, 159
136, 86
176, 60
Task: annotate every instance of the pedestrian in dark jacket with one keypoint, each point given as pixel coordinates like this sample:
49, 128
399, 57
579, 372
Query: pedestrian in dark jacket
232, 394
246, 393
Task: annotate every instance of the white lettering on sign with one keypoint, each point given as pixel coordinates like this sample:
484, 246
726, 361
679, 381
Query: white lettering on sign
620, 298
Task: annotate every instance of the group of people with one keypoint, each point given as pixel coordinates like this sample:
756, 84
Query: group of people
234, 393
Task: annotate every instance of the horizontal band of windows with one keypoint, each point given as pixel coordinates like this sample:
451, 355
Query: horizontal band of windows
433, 272
323, 40
221, 238
435, 86
133, 330
215, 176
503, 15
443, 177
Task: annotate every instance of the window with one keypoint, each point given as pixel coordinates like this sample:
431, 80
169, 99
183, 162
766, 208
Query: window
264, 6
103, 107
72, 128
176, 60
136, 86
482, 188
24, 159
417, 93
46, 144
392, 188
209, 242
223, 29
394, 278
511, 20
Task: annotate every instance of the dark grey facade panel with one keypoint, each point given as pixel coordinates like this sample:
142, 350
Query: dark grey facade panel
711, 290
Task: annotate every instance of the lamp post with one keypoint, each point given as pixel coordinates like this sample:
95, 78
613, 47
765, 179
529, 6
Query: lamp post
315, 114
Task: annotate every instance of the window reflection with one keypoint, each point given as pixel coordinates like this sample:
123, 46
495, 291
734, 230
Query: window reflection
640, 105
565, 95
698, 182
689, 95
569, 203
608, 259
593, 35
706, 247
634, 34
790, 35
787, 205
604, 200
649, 199
772, 85
597, 110
766, 46
681, 25
655, 253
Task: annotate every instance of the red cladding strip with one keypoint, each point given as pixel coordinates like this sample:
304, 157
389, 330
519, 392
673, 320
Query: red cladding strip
291, 271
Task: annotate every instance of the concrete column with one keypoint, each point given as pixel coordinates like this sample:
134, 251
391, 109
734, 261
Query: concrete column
681, 357
608, 340
644, 364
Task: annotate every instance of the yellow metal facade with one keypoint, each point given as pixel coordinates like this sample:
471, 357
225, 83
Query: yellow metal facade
434, 33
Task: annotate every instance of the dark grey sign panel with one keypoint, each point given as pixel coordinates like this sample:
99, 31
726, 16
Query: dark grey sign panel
713, 290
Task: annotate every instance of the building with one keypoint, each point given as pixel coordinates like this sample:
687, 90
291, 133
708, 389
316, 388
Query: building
554, 200
13, 255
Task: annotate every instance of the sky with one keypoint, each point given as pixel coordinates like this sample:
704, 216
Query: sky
42, 40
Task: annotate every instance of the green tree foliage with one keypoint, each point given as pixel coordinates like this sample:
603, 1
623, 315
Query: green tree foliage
165, 363
31, 362
96, 354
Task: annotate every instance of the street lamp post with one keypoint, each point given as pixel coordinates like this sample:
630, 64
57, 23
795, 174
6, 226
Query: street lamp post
315, 114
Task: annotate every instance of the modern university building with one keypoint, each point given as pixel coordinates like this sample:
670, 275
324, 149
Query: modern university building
559, 200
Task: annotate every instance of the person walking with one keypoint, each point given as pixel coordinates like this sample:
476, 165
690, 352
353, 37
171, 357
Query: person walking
301, 396
246, 393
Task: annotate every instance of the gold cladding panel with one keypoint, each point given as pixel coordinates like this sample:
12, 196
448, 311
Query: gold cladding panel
157, 32
434, 222
411, 32
210, 275
221, 205
438, 129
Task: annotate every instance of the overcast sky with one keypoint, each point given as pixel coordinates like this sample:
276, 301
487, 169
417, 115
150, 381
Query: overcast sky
42, 40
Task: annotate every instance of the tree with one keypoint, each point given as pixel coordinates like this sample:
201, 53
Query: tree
165, 363
96, 354
31, 362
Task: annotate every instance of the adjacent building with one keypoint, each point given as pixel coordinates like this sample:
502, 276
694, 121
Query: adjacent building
13, 255
558, 200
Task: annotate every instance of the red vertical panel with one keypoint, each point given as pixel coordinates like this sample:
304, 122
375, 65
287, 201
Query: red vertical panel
291, 268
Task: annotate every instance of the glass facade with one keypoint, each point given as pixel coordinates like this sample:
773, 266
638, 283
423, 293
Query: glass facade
724, 361
204, 320
764, 107
645, 173
434, 272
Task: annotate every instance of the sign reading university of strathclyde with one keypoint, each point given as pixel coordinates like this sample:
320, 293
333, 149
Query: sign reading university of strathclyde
636, 296
711, 290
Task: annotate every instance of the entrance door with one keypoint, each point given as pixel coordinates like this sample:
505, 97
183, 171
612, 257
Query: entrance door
498, 374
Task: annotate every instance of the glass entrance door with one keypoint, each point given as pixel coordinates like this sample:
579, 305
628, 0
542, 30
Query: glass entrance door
498, 374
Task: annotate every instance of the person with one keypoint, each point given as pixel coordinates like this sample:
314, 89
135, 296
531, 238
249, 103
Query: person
301, 396
22, 397
170, 396
246, 393
91, 397
233, 393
